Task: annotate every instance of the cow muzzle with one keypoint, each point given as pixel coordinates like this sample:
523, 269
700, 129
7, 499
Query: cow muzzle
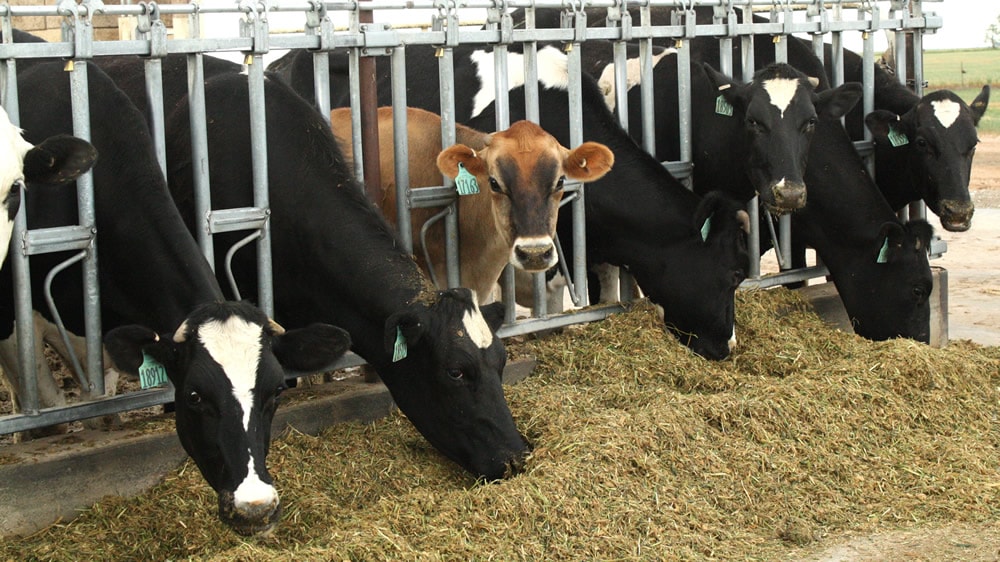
956, 216
532, 254
249, 518
785, 197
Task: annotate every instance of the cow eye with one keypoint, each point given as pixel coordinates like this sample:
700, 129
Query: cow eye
194, 398
281, 388
810, 124
455, 374
559, 183
495, 185
920, 293
921, 142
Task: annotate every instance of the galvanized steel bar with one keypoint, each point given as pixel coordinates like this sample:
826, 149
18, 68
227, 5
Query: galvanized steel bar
198, 120
868, 92
261, 197
401, 149
446, 85
354, 86
154, 96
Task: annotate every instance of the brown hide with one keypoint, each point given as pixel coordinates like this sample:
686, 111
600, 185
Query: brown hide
505, 166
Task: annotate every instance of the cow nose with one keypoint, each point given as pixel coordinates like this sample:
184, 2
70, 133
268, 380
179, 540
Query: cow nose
956, 216
789, 196
535, 255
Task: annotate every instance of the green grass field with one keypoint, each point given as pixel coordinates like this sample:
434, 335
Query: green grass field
943, 69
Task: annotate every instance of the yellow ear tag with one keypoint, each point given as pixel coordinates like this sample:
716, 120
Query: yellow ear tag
151, 372
466, 183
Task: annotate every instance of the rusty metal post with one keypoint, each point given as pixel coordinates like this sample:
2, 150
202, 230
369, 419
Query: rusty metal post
369, 118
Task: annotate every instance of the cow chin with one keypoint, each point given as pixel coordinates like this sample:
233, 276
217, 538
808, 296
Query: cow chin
253, 521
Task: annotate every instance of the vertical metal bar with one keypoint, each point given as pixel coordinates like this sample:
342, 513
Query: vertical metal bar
321, 81
154, 94
684, 105
401, 148
446, 85
258, 136
79, 95
647, 94
868, 90
575, 94
354, 81
621, 83
539, 306
918, 209
199, 155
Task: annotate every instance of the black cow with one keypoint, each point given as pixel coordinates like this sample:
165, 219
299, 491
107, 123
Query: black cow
878, 264
225, 358
638, 216
336, 260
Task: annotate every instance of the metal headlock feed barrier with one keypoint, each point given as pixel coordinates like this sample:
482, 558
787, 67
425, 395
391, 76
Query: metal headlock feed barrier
348, 25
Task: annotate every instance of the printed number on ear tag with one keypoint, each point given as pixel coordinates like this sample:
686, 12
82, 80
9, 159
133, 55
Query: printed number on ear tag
151, 372
723, 107
399, 348
897, 138
466, 183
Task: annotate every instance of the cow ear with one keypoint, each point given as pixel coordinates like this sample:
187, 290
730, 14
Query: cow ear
836, 102
889, 239
127, 347
58, 160
922, 231
979, 105
588, 162
882, 124
732, 91
451, 157
713, 212
402, 331
493, 314
310, 349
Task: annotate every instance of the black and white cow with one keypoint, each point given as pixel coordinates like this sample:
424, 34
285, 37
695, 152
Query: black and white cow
336, 260
923, 146
159, 297
638, 215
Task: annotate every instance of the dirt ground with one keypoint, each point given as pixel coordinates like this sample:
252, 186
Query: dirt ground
973, 264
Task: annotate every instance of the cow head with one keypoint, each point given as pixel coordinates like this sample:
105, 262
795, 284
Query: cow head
696, 301
227, 361
448, 381
895, 300
525, 168
938, 135
56, 160
779, 110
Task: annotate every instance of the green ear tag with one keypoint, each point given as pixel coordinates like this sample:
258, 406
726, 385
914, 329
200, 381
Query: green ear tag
897, 138
706, 228
883, 253
723, 107
466, 183
399, 348
151, 372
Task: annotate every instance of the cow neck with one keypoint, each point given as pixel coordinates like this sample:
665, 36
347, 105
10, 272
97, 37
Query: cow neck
844, 206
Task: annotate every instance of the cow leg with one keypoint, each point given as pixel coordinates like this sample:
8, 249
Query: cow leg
608, 277
50, 394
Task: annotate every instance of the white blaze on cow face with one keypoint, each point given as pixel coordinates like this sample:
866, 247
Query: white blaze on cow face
235, 345
946, 112
781, 92
553, 72
477, 328
13, 147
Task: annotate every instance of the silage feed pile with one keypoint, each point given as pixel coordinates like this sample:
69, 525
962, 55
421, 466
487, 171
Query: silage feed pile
642, 451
